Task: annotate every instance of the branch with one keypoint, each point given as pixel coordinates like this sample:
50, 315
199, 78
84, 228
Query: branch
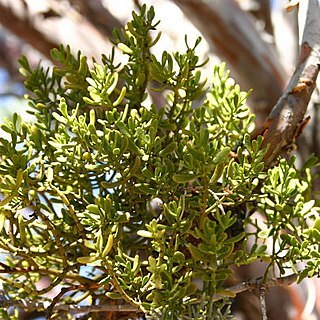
234, 290
98, 15
257, 284
32, 306
286, 120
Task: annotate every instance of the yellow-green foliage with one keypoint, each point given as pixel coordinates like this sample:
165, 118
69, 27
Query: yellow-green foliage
115, 197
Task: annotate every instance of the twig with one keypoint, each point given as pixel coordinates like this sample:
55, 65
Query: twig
256, 284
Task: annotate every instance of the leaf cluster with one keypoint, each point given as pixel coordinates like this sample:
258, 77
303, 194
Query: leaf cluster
118, 198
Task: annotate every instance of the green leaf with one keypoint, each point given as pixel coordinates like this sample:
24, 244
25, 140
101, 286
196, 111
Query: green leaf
198, 254
317, 224
108, 246
58, 117
2, 220
236, 238
307, 207
93, 208
168, 149
184, 177
120, 97
144, 233
264, 234
217, 173
114, 295
221, 155
86, 260
124, 48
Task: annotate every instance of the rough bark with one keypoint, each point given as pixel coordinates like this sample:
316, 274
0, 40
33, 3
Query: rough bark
286, 121
232, 33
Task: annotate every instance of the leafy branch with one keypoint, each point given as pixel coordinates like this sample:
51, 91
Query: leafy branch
134, 207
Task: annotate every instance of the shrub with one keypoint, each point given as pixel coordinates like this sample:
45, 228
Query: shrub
129, 205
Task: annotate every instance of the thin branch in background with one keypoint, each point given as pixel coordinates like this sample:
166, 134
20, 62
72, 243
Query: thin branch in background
98, 15
10, 93
137, 3
24, 29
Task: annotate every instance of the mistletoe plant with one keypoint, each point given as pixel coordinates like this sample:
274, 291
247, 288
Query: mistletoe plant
123, 205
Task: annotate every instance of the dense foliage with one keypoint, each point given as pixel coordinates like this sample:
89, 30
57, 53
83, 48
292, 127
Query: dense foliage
114, 198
